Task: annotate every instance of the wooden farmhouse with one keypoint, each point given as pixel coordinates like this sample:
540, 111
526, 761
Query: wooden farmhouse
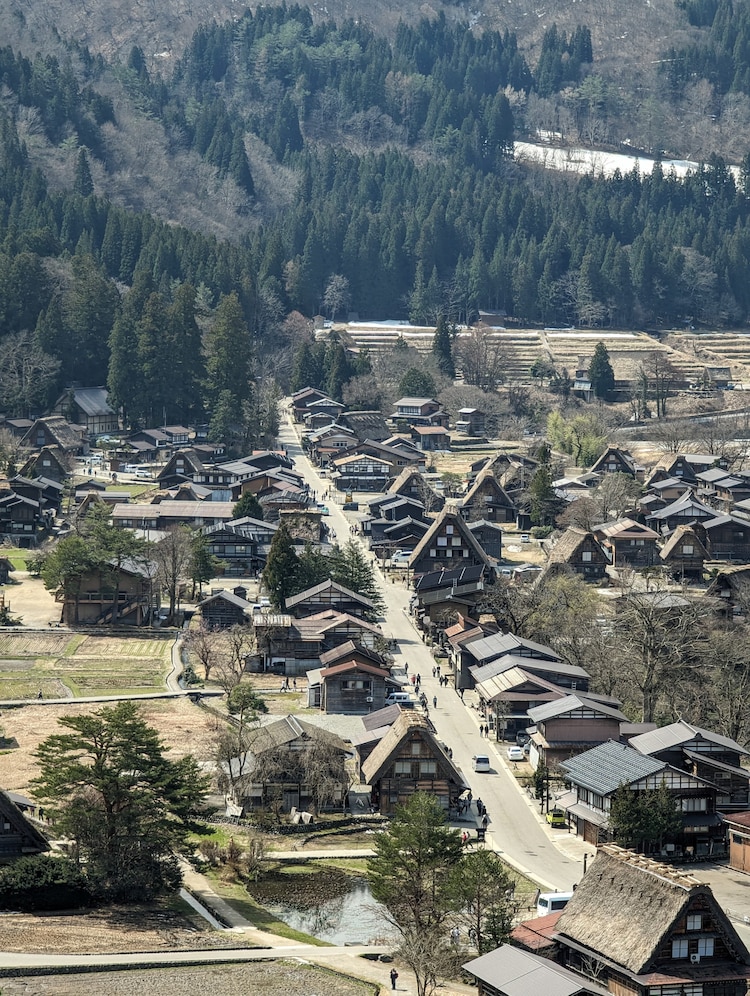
274, 773
448, 544
684, 553
224, 609
18, 836
123, 594
569, 726
597, 774
706, 754
407, 760
629, 543
580, 551
617, 461
488, 500
647, 929
330, 595
411, 484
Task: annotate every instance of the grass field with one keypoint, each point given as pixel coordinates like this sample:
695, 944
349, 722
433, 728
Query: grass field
64, 666
17, 556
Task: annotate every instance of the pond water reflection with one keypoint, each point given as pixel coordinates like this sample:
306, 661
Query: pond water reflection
327, 904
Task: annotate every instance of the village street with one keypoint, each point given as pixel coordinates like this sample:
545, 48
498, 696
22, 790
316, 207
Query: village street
515, 830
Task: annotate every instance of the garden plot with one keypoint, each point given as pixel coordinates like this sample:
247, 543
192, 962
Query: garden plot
65, 666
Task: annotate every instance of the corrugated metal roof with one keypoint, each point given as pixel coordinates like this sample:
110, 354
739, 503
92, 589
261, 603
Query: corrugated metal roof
605, 767
515, 972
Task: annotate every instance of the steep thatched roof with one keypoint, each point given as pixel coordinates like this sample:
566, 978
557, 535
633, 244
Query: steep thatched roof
408, 722
680, 534
450, 518
626, 905
22, 836
571, 543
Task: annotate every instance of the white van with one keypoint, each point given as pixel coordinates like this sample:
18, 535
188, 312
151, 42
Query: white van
552, 902
481, 763
400, 698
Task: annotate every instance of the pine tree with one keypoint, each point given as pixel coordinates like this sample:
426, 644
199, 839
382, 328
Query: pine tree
601, 374
280, 572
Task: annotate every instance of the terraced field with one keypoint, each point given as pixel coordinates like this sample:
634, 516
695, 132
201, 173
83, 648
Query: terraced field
63, 666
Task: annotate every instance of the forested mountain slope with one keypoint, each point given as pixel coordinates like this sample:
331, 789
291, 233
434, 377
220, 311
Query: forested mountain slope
146, 215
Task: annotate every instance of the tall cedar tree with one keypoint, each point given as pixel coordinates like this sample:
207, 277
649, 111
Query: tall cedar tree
442, 348
228, 352
109, 787
601, 374
351, 568
280, 572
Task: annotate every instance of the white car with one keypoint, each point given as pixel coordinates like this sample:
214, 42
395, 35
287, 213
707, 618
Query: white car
516, 754
401, 557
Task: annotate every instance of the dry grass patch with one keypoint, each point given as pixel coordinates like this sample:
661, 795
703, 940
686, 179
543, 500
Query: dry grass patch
183, 727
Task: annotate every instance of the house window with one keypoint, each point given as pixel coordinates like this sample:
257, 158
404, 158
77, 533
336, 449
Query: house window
680, 947
433, 552
449, 530
694, 921
442, 541
404, 768
693, 805
456, 541
427, 768
705, 947
416, 748
586, 556
687, 550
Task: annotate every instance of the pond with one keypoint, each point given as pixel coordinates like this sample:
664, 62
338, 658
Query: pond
327, 903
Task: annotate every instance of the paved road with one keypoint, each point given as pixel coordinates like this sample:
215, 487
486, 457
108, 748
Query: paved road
515, 830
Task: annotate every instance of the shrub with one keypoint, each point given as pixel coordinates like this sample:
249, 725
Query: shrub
43, 883
541, 532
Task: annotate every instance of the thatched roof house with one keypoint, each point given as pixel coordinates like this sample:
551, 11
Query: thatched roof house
410, 759
639, 924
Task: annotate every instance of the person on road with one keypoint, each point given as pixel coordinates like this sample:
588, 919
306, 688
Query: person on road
434, 701
394, 977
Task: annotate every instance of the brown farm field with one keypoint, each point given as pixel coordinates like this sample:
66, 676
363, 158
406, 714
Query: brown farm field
64, 665
184, 728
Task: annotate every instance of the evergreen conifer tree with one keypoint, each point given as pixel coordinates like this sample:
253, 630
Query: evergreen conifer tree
601, 374
280, 572
442, 348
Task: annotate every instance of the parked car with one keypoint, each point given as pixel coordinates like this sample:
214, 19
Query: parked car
516, 753
556, 818
525, 538
401, 557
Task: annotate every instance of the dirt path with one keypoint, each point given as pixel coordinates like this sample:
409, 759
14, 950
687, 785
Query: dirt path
31, 601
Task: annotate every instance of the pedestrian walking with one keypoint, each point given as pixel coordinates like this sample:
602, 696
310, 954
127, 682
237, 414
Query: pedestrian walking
406, 669
455, 935
480, 806
469, 796
433, 672
394, 977
485, 820
434, 701
438, 670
